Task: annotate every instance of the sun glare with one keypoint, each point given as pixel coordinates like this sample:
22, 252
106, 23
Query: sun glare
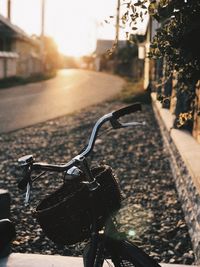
72, 47
73, 30
74, 25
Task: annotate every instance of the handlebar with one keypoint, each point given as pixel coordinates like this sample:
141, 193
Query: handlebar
126, 110
29, 165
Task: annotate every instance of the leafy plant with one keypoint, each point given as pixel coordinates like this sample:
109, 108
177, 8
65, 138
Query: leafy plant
177, 42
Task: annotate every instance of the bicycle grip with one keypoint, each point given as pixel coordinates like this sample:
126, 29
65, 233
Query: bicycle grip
127, 110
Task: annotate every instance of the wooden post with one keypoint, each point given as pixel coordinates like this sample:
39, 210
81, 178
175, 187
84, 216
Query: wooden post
4, 204
173, 95
196, 127
117, 23
9, 9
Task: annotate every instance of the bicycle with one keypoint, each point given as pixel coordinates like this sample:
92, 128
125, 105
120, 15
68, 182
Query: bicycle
83, 207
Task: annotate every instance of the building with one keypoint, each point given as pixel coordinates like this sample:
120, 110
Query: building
19, 53
102, 49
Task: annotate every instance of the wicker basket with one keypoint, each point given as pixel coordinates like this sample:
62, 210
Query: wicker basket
65, 215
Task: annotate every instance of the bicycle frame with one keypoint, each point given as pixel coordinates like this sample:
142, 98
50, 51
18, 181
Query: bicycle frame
28, 165
95, 255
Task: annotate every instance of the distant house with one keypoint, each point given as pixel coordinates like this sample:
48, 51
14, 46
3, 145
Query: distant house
144, 40
123, 61
102, 48
19, 54
105, 45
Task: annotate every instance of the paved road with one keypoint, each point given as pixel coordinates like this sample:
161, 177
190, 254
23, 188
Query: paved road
70, 91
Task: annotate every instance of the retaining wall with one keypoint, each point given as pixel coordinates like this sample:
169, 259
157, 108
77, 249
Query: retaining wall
185, 163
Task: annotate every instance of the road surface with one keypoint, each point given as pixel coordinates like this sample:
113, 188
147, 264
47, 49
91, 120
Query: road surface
71, 90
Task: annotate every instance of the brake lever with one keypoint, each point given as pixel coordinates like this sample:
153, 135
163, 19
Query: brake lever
134, 123
117, 125
25, 163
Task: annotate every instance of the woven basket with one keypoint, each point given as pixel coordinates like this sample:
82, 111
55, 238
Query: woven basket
65, 215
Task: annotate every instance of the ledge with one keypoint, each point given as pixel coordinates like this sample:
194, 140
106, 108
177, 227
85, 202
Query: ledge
187, 146
36, 260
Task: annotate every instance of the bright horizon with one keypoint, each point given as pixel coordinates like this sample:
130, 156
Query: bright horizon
75, 26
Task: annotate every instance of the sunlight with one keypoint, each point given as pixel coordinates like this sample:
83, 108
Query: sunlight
72, 48
74, 28
74, 25
74, 43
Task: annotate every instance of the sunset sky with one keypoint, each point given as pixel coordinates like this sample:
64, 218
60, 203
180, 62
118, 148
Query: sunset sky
74, 25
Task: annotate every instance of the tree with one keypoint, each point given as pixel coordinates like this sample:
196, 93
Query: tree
52, 56
124, 57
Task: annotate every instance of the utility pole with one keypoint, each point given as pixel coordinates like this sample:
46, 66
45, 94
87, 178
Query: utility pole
9, 9
116, 44
42, 34
42, 17
117, 23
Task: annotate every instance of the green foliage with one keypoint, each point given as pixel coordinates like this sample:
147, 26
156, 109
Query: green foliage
177, 42
124, 57
17, 81
135, 12
52, 57
133, 91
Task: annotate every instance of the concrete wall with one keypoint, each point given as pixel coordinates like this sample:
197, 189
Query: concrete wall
185, 164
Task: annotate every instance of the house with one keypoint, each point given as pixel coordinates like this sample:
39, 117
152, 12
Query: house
103, 47
19, 53
121, 60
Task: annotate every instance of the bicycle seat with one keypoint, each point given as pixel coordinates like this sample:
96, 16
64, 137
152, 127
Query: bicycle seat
7, 232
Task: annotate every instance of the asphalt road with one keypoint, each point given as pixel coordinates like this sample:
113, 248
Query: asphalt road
71, 90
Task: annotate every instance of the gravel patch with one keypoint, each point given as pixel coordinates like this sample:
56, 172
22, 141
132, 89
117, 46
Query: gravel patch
151, 213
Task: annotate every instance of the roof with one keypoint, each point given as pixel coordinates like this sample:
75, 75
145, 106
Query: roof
7, 28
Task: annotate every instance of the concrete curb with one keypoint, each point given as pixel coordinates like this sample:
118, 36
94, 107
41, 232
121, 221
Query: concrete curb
37, 260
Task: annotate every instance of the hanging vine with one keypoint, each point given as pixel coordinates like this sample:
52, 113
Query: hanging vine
177, 42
